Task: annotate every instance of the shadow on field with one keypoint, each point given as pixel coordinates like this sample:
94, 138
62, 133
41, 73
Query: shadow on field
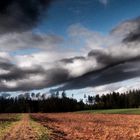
55, 132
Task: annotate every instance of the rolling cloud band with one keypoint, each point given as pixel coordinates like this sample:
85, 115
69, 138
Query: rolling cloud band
54, 65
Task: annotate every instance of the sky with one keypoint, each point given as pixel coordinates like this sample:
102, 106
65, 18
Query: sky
80, 46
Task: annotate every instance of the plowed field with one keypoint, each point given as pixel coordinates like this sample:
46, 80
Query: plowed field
86, 126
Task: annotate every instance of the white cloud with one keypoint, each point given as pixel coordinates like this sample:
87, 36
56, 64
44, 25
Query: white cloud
104, 2
105, 51
120, 87
19, 41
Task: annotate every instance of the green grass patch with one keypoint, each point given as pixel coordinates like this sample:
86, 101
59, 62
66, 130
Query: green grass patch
135, 111
41, 132
4, 126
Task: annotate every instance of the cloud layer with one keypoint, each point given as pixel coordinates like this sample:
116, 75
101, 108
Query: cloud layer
101, 60
20, 15
105, 2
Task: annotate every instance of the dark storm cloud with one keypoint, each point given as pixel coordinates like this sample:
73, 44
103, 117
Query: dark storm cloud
52, 77
134, 35
99, 67
105, 76
15, 73
5, 65
113, 69
116, 68
21, 77
57, 77
20, 15
101, 56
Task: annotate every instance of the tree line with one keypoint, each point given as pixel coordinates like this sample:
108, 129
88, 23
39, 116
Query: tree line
34, 103
116, 100
55, 103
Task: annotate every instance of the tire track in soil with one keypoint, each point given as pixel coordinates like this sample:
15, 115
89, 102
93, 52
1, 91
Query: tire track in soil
21, 131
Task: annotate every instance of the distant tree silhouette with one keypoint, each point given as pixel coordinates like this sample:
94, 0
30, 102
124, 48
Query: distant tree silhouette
90, 99
33, 95
130, 99
57, 94
39, 103
64, 94
85, 96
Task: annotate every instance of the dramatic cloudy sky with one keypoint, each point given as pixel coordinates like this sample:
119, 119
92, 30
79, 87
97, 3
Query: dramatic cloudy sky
74, 45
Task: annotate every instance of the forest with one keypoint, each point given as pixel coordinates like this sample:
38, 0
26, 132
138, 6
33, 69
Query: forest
39, 103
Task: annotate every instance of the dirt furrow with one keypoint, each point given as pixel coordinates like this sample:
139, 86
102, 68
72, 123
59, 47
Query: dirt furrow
21, 131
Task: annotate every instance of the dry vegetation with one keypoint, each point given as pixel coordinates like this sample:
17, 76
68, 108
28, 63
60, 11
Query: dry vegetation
21, 127
69, 126
72, 126
6, 122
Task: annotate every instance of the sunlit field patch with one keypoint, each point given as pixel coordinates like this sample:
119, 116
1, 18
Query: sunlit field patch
88, 126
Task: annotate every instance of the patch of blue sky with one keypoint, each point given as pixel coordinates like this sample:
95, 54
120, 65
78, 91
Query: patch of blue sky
94, 15
25, 51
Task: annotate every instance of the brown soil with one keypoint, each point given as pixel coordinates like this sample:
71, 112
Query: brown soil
21, 131
72, 126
